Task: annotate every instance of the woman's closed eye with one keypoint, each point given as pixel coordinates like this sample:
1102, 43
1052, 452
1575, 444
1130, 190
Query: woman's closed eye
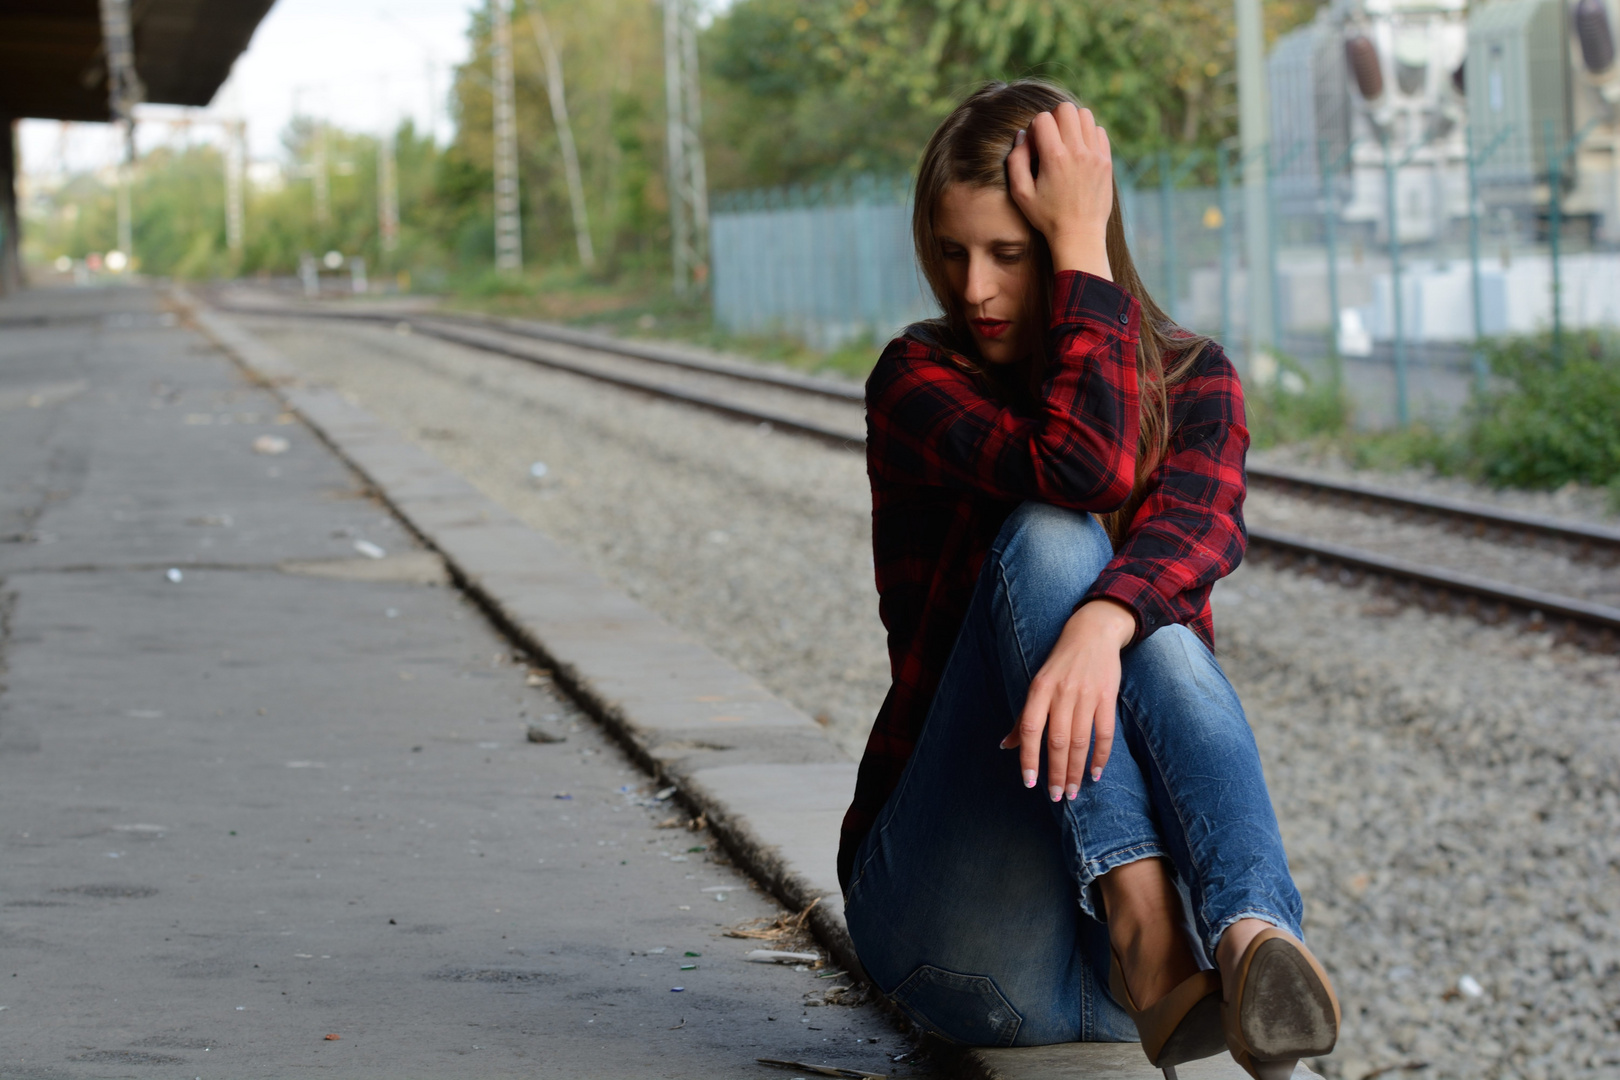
1007, 254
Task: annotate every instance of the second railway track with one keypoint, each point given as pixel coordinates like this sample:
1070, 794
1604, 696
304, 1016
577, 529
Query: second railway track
829, 411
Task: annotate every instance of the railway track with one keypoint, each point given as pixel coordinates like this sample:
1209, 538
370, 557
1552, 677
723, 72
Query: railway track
829, 411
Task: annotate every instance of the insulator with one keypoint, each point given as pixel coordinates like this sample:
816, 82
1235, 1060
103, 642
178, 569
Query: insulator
1592, 29
1362, 56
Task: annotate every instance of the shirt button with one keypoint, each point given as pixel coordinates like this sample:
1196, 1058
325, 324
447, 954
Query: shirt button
1124, 317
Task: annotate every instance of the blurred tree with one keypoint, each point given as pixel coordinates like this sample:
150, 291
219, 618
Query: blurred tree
802, 90
612, 60
178, 203
795, 91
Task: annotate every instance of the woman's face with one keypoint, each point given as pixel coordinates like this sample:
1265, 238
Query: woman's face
989, 263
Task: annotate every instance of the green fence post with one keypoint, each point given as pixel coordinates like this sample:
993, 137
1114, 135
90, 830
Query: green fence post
1402, 410
1555, 225
1223, 171
1330, 224
1167, 223
1268, 164
1481, 376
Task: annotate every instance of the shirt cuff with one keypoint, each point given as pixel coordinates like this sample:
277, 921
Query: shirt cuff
1079, 297
1135, 594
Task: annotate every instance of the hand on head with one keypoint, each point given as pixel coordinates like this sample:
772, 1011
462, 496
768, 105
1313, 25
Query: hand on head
1071, 199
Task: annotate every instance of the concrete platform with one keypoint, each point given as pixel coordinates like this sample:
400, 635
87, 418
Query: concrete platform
759, 769
276, 811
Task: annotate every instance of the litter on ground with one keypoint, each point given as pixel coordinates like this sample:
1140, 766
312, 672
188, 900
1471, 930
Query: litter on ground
782, 956
271, 444
823, 1070
776, 929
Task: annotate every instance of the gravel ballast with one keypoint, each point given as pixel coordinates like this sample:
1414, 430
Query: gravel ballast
1449, 792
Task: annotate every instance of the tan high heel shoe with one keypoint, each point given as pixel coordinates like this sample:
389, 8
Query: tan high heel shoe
1281, 1009
1184, 1025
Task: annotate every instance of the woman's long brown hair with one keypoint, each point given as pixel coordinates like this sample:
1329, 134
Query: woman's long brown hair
971, 147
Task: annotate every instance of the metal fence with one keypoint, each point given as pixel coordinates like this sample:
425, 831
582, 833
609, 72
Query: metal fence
830, 264
1398, 312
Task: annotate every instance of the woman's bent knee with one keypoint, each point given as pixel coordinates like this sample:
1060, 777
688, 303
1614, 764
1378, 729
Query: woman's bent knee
1174, 657
1051, 549
1170, 682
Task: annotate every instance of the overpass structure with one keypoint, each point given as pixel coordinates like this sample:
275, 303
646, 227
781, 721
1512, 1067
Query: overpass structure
54, 65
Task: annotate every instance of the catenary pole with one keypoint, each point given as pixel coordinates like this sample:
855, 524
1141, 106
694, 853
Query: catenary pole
387, 192
688, 184
508, 229
235, 132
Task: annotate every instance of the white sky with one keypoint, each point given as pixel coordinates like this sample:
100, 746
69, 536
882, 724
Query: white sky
363, 64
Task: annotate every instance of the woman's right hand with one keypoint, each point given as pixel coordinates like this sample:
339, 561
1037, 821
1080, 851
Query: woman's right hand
1071, 199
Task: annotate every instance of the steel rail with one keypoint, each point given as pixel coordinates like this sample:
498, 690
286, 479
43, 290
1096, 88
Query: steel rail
1532, 602
1601, 619
1574, 532
733, 409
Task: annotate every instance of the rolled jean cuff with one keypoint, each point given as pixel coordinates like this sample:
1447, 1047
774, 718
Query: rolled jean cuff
1092, 869
1219, 928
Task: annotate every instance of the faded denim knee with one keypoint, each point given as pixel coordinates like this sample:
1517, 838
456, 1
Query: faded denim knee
1043, 562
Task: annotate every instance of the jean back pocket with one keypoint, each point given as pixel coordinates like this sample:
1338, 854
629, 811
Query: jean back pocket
964, 1009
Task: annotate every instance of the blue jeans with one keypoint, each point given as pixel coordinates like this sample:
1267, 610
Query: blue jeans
973, 903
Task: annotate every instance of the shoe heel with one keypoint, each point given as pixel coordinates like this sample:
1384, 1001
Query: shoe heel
1183, 1026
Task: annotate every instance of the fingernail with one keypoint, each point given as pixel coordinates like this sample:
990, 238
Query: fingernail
1057, 793
1096, 774
1029, 778
1003, 743
1018, 139
1074, 789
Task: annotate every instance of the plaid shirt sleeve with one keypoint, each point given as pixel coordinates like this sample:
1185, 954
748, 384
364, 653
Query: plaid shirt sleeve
1189, 531
930, 424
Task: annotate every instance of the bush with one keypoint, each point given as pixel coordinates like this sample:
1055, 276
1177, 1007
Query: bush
1550, 419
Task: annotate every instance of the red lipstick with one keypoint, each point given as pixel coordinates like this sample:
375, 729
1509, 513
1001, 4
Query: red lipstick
990, 328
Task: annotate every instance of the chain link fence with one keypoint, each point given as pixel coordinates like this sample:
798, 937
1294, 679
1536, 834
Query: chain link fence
1398, 315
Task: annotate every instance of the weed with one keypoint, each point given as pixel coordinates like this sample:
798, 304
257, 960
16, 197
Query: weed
1552, 416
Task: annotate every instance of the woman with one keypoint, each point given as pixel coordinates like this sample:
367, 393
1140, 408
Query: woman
1057, 482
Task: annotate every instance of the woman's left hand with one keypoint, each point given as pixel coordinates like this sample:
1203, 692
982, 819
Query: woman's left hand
1072, 698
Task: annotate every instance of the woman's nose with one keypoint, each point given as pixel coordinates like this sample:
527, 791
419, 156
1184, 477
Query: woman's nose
980, 285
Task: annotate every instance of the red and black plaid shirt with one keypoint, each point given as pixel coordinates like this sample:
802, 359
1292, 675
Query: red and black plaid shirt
948, 464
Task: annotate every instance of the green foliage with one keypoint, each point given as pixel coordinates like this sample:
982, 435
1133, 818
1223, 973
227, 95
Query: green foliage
1419, 445
611, 52
1551, 418
802, 90
177, 204
1548, 419
1295, 406
795, 91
